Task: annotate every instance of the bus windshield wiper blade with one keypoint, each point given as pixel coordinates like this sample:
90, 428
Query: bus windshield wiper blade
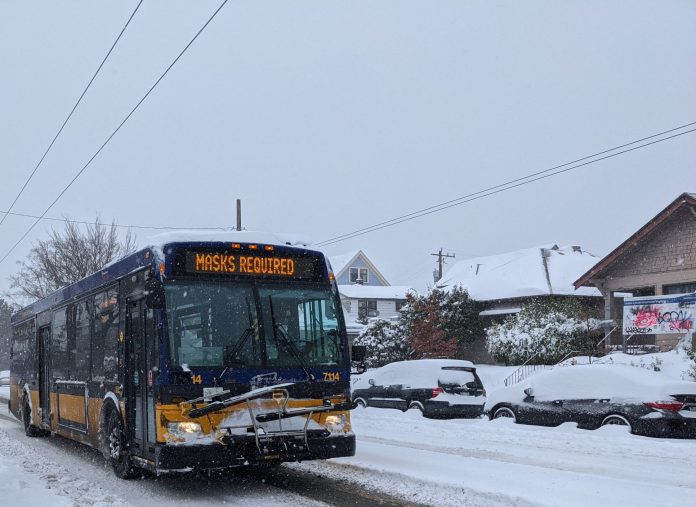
279, 331
242, 338
239, 343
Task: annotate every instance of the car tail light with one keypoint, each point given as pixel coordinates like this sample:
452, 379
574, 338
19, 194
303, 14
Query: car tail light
670, 406
436, 391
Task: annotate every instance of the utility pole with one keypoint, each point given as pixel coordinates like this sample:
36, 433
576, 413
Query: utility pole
440, 261
239, 214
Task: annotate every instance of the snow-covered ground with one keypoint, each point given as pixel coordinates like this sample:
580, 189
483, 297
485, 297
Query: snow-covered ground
482, 462
431, 462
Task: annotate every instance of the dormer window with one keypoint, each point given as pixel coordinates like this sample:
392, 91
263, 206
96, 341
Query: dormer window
359, 275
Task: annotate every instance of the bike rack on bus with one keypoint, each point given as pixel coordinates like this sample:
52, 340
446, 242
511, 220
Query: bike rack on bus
262, 435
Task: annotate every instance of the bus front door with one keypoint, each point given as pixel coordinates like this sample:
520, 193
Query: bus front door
140, 403
45, 376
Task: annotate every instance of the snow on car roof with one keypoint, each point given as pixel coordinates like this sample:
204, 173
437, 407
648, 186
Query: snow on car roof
594, 381
418, 373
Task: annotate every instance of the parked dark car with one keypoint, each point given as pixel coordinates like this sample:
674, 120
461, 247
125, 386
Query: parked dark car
439, 388
601, 394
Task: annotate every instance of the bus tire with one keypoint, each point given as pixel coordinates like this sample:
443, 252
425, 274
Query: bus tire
29, 429
119, 454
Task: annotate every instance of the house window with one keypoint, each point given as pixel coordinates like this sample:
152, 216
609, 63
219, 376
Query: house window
399, 304
367, 308
679, 288
358, 275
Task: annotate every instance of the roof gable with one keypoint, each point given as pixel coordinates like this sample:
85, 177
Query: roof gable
685, 199
340, 263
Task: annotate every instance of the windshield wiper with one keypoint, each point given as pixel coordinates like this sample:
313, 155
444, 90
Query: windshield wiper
239, 343
279, 331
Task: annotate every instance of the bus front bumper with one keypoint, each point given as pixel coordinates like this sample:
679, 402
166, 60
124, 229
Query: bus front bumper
242, 450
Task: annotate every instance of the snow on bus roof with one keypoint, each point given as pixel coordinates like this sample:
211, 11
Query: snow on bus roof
157, 241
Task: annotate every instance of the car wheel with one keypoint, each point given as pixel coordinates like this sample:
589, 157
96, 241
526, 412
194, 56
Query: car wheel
29, 429
119, 455
617, 420
417, 405
504, 413
360, 402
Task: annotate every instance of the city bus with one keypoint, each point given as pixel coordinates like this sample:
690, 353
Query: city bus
191, 355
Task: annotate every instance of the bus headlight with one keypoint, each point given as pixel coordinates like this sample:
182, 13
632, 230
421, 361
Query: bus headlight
335, 423
185, 429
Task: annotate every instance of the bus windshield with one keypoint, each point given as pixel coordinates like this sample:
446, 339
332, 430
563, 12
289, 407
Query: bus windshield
236, 325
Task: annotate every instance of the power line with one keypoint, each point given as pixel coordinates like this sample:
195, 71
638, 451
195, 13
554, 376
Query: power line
21, 191
87, 222
108, 139
506, 186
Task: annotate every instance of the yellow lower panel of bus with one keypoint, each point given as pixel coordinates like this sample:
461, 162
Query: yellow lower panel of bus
166, 413
72, 408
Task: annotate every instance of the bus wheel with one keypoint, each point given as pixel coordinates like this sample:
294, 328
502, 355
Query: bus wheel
29, 429
119, 455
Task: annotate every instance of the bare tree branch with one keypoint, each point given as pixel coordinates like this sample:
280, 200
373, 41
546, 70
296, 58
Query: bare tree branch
68, 256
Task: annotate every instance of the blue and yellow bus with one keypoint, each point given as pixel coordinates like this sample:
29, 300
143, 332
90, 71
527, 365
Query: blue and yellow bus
191, 355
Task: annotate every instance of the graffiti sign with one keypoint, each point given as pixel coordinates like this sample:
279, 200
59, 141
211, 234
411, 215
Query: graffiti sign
660, 314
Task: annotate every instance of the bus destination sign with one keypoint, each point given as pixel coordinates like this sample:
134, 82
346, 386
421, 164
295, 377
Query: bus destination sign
217, 262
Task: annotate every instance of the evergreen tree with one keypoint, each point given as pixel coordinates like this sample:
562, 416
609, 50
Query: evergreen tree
460, 317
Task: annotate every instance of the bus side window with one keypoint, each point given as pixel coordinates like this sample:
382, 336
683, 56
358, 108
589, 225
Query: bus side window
105, 338
83, 311
59, 343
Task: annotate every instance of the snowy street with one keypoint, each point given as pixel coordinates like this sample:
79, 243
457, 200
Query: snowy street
402, 455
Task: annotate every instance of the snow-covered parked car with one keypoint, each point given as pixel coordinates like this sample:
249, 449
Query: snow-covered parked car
439, 388
599, 394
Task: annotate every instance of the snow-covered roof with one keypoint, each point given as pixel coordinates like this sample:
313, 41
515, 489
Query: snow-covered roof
500, 311
539, 271
357, 291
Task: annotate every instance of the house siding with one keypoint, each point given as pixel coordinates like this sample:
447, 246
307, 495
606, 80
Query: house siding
372, 278
385, 307
667, 256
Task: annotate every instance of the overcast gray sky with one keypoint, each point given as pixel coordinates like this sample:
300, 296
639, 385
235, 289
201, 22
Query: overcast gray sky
325, 117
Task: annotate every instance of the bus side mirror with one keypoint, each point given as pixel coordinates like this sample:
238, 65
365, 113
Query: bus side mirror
358, 353
154, 294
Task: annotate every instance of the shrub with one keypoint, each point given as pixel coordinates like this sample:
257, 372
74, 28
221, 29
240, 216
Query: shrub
385, 343
549, 328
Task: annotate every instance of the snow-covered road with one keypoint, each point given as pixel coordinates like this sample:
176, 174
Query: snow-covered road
499, 463
456, 462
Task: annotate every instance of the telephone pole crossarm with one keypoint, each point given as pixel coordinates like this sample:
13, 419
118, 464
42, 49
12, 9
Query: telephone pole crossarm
440, 261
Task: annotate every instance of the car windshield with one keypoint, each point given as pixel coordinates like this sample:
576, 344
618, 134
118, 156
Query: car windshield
218, 325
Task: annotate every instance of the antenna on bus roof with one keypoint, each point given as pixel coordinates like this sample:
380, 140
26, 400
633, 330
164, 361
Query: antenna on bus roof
239, 214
